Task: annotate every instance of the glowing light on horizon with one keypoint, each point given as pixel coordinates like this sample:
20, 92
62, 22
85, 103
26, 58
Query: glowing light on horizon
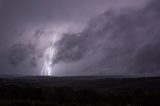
48, 55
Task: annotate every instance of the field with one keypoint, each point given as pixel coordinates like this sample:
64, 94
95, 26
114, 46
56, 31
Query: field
79, 91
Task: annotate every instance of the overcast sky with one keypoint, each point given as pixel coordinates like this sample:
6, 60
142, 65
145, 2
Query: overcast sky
95, 37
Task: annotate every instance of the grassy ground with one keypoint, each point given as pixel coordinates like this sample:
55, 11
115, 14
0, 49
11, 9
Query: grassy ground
79, 91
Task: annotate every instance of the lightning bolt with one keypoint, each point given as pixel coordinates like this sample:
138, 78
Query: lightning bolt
48, 57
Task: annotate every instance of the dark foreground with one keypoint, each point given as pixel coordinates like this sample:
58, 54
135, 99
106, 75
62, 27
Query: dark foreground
79, 91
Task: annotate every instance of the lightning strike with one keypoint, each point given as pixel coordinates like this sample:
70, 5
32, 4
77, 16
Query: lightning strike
48, 55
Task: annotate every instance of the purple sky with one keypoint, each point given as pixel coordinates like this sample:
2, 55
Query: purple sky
96, 37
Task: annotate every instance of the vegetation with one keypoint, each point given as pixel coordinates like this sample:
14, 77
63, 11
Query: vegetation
128, 92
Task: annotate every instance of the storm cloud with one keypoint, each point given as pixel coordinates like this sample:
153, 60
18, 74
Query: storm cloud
95, 37
126, 42
20, 52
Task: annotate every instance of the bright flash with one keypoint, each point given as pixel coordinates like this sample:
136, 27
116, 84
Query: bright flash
48, 55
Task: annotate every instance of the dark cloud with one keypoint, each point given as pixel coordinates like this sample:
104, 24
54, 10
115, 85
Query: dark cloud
147, 60
33, 62
71, 48
124, 41
19, 53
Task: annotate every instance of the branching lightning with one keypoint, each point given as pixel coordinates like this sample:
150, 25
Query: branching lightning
48, 55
